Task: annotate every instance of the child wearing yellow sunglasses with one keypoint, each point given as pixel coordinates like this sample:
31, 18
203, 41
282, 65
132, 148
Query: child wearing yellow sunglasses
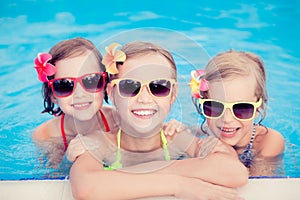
231, 94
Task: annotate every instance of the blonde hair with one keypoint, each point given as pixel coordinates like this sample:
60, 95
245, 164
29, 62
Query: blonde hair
139, 48
232, 64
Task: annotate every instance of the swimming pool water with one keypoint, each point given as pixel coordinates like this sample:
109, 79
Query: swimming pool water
194, 32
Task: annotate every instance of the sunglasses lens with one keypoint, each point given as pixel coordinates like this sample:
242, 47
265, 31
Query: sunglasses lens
243, 110
213, 108
63, 87
160, 88
93, 82
129, 88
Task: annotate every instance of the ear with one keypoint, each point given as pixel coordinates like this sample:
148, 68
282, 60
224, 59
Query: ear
174, 93
109, 89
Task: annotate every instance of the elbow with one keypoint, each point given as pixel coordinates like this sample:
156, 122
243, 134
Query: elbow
243, 176
238, 177
80, 192
80, 186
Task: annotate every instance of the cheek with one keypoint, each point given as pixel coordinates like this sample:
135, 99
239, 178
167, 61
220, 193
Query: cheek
63, 102
248, 124
164, 104
210, 123
98, 98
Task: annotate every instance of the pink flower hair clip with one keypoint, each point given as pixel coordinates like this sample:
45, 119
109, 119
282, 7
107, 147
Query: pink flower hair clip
44, 68
198, 84
113, 56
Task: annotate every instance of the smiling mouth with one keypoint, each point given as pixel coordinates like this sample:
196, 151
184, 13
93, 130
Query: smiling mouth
80, 106
144, 113
228, 132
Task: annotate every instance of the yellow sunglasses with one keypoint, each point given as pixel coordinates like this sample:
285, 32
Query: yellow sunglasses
243, 111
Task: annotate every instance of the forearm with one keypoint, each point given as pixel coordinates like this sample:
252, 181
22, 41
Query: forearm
101, 184
217, 168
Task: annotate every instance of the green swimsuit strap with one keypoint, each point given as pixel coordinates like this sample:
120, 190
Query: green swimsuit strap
164, 145
117, 164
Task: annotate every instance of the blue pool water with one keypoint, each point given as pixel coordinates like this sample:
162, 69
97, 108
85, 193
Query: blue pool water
193, 30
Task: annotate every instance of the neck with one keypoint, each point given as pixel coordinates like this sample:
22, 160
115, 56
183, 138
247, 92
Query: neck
137, 144
83, 127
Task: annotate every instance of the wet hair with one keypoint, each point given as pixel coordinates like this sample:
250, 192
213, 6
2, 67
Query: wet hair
140, 48
68, 49
232, 64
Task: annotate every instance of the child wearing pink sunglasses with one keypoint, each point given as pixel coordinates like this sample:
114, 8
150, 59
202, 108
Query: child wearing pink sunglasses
74, 86
137, 160
231, 94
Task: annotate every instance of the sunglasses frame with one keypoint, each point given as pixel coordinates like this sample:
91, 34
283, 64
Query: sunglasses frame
103, 75
143, 83
230, 106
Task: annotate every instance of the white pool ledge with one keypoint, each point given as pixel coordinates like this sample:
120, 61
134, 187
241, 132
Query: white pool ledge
256, 189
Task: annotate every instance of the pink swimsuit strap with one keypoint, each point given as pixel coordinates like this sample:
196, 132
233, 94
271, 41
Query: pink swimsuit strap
62, 127
63, 134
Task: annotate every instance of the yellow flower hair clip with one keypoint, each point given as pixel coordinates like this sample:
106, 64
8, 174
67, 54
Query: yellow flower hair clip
198, 84
113, 56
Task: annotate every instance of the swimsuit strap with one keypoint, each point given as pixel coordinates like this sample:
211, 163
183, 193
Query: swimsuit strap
62, 127
63, 134
104, 121
164, 145
117, 164
247, 156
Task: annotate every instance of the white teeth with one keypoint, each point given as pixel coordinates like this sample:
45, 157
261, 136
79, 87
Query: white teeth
228, 129
80, 105
143, 112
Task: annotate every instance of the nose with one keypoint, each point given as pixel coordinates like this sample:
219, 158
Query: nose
79, 90
144, 96
227, 116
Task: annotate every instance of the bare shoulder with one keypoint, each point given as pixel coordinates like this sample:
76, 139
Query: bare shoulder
272, 143
48, 129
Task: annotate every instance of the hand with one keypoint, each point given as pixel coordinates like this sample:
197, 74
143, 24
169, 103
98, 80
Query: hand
192, 188
173, 127
79, 145
212, 144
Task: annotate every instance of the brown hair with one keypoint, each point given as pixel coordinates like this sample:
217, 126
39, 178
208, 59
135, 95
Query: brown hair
68, 49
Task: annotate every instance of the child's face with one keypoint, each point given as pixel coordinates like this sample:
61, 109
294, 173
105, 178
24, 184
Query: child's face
144, 114
227, 128
82, 105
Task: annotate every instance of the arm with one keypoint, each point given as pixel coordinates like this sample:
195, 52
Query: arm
213, 161
90, 181
217, 168
47, 130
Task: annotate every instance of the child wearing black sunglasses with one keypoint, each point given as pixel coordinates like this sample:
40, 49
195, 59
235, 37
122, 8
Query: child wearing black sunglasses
135, 160
230, 93
74, 81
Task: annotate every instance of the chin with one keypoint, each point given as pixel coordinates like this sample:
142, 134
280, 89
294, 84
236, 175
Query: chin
139, 131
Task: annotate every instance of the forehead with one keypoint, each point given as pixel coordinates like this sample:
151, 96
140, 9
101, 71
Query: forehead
147, 67
233, 89
77, 66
